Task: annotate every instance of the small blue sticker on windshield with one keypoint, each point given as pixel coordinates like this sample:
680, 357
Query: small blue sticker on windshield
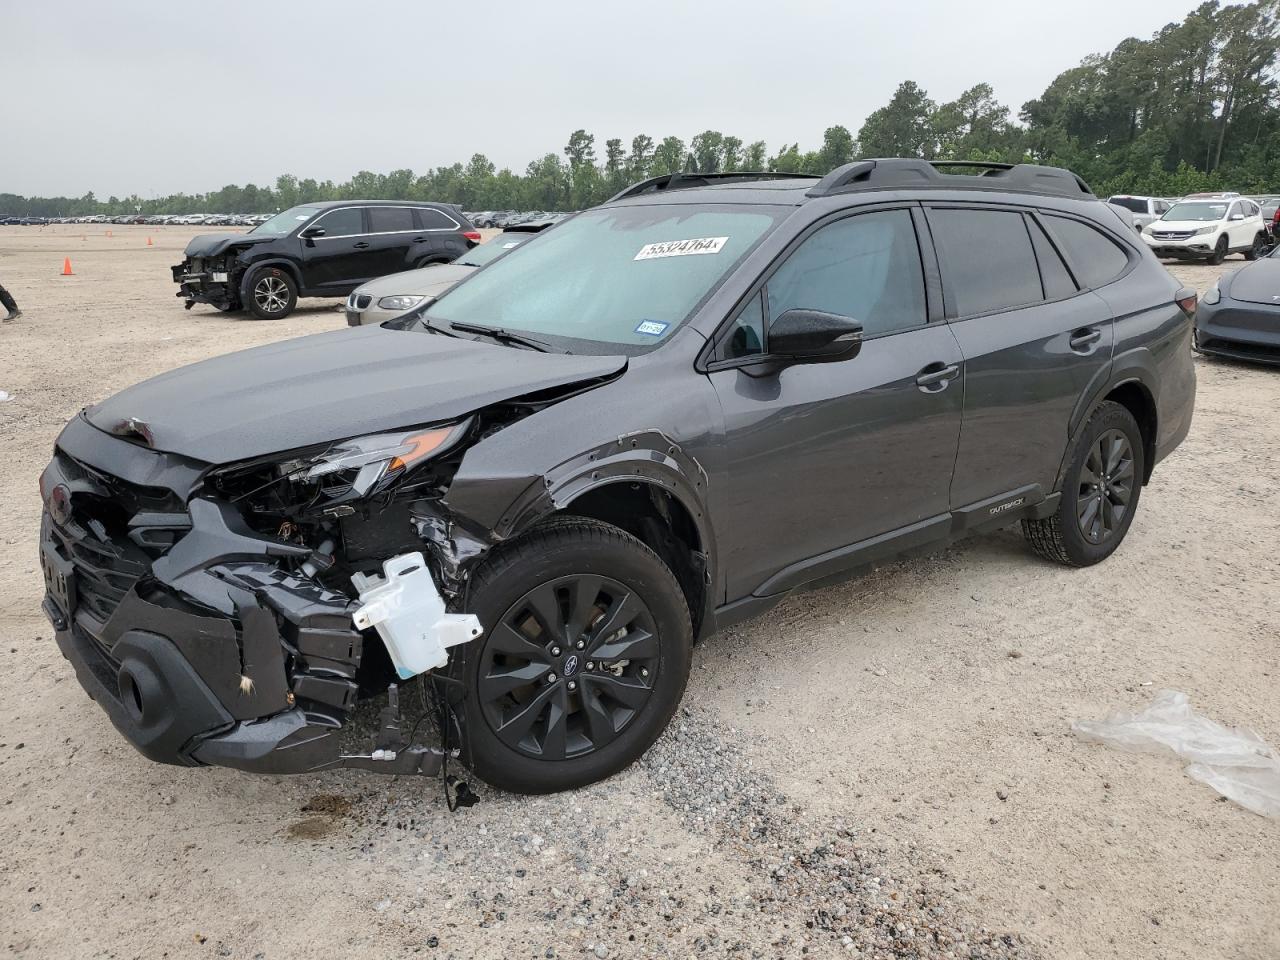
652, 328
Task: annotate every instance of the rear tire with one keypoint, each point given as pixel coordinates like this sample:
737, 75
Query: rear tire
1259, 248
1099, 492
272, 293
584, 659
1219, 251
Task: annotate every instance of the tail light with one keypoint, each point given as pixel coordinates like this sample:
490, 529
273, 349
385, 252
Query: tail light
472, 235
1187, 300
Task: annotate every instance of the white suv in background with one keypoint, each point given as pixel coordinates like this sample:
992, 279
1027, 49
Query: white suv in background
1145, 210
1208, 230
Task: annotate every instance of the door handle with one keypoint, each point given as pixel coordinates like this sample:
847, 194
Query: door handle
419, 239
361, 245
1084, 338
936, 376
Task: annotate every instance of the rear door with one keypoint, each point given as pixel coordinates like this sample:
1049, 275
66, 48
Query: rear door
1034, 340
392, 231
329, 261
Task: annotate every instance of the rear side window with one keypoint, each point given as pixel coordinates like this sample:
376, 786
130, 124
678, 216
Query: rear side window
866, 267
432, 219
1095, 257
346, 222
987, 260
1053, 272
390, 219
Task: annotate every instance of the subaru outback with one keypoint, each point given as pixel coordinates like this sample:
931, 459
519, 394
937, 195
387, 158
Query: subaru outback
510, 512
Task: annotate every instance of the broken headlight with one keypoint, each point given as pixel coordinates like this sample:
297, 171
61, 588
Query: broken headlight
372, 463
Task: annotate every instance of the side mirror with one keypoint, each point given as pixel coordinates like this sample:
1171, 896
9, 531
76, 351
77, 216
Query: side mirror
814, 336
311, 233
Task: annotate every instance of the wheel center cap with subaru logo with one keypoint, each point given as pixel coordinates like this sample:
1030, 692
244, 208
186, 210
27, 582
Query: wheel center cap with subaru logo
571, 665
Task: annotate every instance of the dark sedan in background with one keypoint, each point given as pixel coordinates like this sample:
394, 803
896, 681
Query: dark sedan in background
318, 250
1240, 316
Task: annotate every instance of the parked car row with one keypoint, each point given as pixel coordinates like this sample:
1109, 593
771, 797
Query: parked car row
501, 219
210, 219
1204, 226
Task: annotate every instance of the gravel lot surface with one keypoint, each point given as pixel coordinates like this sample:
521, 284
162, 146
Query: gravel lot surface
878, 769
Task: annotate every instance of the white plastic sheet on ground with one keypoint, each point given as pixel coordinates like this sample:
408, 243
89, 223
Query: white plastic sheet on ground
1235, 762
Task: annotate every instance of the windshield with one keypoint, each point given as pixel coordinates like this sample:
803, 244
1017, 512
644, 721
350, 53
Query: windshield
1196, 211
286, 222
624, 276
1136, 204
493, 249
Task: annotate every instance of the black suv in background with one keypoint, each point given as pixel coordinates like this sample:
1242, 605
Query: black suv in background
655, 420
318, 250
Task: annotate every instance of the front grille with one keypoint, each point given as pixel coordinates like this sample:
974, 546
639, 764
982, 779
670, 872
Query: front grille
96, 539
1173, 235
363, 301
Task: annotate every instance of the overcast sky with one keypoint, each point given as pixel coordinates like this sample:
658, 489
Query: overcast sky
157, 97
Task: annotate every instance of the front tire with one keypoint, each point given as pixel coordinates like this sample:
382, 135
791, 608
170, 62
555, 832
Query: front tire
1259, 248
1220, 251
584, 659
1099, 493
272, 294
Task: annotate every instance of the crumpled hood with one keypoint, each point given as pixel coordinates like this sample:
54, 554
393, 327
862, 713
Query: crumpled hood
212, 244
1257, 283
427, 282
330, 386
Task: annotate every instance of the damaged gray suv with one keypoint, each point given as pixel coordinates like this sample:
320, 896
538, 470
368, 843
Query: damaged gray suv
511, 512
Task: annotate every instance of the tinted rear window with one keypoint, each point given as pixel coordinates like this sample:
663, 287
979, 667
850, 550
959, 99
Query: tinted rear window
390, 219
1095, 258
1057, 281
432, 219
987, 261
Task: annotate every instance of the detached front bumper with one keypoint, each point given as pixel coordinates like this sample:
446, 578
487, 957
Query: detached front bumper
200, 284
210, 653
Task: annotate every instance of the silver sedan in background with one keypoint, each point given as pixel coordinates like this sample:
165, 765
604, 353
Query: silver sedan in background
388, 297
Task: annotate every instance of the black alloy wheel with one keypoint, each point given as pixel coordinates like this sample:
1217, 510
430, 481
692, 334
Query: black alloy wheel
1106, 487
586, 651
1098, 498
568, 666
1220, 251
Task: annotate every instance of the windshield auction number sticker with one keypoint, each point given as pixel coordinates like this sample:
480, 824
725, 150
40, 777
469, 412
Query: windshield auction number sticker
681, 248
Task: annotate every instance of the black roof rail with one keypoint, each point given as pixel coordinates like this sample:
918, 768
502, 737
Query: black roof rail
683, 181
890, 173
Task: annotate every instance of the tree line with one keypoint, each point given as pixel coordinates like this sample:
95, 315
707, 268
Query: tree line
1195, 107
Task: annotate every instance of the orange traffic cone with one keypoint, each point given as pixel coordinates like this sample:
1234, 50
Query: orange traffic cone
108, 233
66, 268
149, 243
